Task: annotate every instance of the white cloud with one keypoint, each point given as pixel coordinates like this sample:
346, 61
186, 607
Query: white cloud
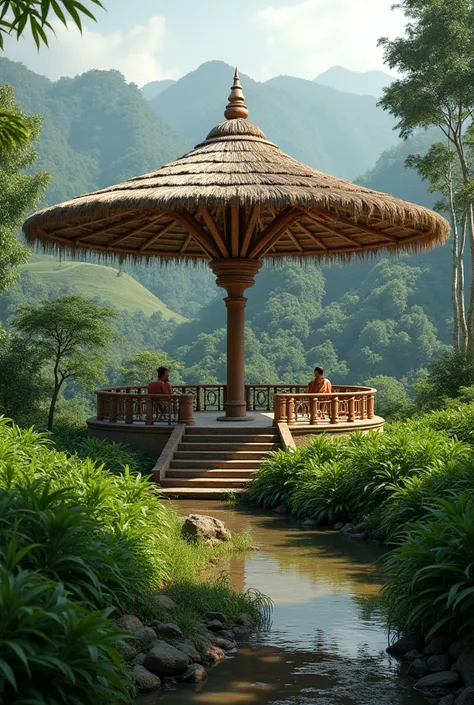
135, 53
307, 38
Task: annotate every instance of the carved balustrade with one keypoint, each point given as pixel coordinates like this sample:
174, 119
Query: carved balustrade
346, 404
134, 405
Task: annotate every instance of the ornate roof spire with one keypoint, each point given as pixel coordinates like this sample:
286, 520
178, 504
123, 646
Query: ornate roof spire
236, 107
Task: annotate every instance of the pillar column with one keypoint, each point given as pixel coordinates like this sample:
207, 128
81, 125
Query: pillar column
235, 276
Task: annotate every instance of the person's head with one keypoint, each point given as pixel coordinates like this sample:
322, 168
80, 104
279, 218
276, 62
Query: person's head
163, 374
318, 372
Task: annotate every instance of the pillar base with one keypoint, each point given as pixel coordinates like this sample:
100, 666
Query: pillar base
235, 418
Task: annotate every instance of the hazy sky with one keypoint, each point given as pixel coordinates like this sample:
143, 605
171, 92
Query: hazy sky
155, 39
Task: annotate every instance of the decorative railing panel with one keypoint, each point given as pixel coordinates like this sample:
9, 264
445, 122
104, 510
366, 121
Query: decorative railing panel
343, 405
134, 405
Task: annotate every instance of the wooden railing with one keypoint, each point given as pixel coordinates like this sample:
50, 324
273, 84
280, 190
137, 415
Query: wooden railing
344, 404
134, 405
290, 402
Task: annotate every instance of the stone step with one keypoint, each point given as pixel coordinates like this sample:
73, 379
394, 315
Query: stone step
186, 473
199, 492
192, 437
205, 482
218, 455
215, 464
230, 430
230, 447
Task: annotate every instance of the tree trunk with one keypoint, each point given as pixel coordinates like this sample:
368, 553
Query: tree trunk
52, 406
461, 294
455, 267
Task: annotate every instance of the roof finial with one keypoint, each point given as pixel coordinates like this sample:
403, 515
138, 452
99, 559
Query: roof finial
236, 107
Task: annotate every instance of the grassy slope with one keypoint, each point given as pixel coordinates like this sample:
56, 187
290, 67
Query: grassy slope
92, 280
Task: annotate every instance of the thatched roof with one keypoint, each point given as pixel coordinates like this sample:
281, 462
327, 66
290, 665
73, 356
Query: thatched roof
236, 195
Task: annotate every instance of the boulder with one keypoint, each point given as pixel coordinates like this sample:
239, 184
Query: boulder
209, 529
164, 660
446, 680
144, 680
214, 625
171, 631
338, 526
347, 528
224, 644
418, 669
226, 634
309, 523
281, 510
190, 650
169, 685
209, 652
466, 697
465, 665
406, 643
455, 650
438, 645
195, 673
129, 623
448, 699
245, 622
220, 616
139, 659
412, 655
146, 635
128, 650
439, 662
166, 602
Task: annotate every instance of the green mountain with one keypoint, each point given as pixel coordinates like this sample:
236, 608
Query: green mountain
154, 88
97, 129
331, 131
95, 281
359, 82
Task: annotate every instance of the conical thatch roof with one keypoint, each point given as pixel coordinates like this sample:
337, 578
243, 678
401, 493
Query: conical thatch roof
236, 195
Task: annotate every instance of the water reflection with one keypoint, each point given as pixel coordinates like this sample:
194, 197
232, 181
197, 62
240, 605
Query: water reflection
322, 647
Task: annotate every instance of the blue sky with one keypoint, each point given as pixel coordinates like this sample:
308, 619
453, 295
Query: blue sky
154, 39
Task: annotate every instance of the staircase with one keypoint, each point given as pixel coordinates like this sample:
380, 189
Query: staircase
211, 463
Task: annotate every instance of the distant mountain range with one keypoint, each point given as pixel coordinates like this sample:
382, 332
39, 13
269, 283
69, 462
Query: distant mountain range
361, 83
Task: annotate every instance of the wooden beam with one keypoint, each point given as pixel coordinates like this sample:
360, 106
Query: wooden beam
186, 243
325, 226
136, 231
249, 230
364, 228
84, 225
273, 231
157, 235
105, 229
311, 235
294, 240
234, 229
212, 227
198, 233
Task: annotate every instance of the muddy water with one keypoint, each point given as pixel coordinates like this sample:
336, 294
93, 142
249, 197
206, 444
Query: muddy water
326, 644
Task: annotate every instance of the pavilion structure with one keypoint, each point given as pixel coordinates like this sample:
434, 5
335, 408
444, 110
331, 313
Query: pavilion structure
236, 201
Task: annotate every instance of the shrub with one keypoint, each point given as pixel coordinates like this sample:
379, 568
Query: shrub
321, 493
430, 589
445, 379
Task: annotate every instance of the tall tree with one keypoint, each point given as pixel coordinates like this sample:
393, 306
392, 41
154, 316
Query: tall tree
20, 190
436, 61
440, 167
140, 368
72, 334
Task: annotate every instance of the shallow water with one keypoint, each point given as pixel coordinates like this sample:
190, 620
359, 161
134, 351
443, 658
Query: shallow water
326, 644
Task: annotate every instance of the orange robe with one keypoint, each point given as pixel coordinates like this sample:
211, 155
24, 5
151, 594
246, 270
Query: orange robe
319, 386
160, 388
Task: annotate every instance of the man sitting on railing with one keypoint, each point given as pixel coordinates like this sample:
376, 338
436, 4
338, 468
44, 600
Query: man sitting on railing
162, 386
319, 385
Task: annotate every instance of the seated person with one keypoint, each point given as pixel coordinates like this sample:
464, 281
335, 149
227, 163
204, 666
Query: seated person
319, 385
162, 386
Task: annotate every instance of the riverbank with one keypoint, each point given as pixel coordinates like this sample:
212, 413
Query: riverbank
83, 553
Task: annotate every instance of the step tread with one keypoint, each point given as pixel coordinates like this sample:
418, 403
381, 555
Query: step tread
200, 492
200, 454
226, 464
192, 472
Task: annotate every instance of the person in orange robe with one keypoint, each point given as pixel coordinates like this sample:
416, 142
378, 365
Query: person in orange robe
319, 385
162, 386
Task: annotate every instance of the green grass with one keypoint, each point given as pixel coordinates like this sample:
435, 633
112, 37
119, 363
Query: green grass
96, 280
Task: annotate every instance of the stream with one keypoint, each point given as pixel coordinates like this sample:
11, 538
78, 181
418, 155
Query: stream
326, 644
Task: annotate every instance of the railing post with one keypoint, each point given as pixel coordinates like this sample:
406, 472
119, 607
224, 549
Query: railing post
280, 409
113, 409
335, 410
364, 407
128, 408
149, 412
198, 398
371, 406
100, 407
247, 397
351, 410
313, 411
186, 411
290, 411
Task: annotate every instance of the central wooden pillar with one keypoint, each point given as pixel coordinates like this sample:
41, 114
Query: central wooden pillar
235, 276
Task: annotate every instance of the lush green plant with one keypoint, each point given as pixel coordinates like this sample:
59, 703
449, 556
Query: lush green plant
274, 480
53, 650
445, 379
430, 588
321, 493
